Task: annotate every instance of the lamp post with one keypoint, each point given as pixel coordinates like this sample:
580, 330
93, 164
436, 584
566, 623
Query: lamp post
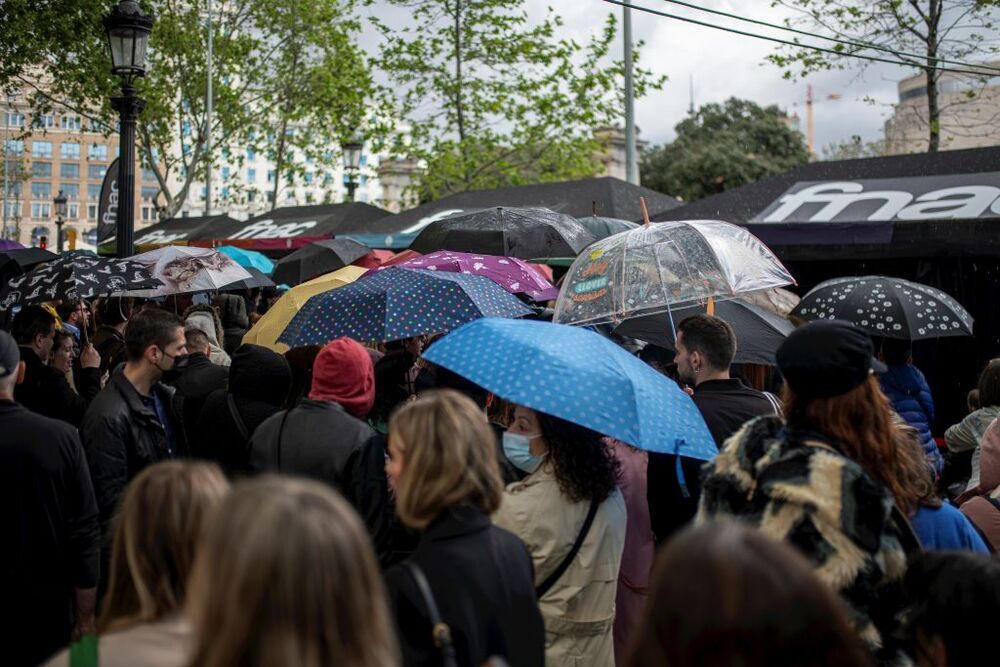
128, 35
60, 202
352, 161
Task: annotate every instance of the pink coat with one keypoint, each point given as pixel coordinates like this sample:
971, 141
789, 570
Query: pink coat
637, 558
976, 502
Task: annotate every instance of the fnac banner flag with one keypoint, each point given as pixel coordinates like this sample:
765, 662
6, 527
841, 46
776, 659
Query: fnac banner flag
107, 212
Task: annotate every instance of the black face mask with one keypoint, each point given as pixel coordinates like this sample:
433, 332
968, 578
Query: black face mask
181, 362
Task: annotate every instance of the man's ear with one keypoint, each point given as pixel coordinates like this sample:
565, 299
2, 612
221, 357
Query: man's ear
20, 372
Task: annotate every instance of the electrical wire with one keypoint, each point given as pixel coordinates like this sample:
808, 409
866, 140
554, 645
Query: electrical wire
838, 40
777, 40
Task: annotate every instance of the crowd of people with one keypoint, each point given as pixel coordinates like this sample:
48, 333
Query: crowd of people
176, 498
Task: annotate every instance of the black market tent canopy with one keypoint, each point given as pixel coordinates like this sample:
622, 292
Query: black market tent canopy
179, 230
612, 198
922, 205
283, 228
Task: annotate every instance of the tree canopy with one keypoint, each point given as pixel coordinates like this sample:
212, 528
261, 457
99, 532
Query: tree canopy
723, 146
492, 98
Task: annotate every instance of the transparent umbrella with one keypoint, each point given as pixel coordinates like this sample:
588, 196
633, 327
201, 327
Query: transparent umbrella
664, 265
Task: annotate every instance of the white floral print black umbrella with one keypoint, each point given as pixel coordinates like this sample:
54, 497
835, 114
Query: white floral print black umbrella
888, 307
75, 277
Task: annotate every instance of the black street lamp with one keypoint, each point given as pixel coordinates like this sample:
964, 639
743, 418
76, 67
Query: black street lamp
60, 202
128, 34
352, 162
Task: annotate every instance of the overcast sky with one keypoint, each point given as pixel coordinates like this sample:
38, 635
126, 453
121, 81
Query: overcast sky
724, 65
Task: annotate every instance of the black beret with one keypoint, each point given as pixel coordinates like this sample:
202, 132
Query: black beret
827, 358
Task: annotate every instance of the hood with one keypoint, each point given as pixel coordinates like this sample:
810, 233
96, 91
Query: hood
343, 373
233, 311
260, 374
204, 322
903, 378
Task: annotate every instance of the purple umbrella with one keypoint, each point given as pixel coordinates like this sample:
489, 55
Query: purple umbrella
6, 244
514, 275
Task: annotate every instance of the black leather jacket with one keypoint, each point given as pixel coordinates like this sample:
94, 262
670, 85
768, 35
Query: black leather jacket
122, 436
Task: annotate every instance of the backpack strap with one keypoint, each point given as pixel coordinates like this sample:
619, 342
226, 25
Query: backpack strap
440, 630
237, 418
550, 581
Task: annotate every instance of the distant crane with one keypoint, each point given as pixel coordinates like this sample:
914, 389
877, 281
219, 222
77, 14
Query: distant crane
809, 114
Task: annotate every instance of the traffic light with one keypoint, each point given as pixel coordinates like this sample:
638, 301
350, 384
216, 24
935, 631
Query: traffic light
43, 241
71, 238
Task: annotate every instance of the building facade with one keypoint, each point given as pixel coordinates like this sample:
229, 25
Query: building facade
45, 154
969, 114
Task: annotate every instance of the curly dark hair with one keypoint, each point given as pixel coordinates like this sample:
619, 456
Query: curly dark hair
584, 466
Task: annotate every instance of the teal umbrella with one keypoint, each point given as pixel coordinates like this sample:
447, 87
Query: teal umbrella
248, 258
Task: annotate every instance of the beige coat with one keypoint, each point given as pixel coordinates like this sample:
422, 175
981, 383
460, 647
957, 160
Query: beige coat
579, 610
164, 643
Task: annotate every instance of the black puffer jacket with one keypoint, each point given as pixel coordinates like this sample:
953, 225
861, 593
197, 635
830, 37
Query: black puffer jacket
122, 436
259, 382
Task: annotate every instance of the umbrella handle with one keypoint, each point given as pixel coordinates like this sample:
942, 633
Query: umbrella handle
645, 211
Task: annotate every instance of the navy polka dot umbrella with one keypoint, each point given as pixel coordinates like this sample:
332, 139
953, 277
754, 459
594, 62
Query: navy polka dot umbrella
887, 307
399, 303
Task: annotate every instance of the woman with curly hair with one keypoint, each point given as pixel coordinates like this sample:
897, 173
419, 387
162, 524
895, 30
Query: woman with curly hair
571, 515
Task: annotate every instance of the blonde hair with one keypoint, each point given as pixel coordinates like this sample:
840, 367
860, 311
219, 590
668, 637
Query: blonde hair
287, 576
156, 534
450, 458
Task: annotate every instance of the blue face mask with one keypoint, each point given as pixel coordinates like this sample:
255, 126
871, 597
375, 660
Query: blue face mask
517, 449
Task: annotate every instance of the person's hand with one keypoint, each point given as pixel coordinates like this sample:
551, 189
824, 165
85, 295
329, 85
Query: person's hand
89, 358
688, 390
104, 378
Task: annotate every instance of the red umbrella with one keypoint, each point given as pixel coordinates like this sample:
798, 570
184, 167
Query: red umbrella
375, 259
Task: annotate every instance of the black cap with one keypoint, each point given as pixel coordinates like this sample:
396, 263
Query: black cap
10, 355
827, 358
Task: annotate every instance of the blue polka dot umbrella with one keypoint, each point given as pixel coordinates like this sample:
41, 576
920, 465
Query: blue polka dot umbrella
580, 376
399, 303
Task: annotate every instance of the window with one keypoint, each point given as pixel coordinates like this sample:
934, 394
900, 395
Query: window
94, 125
90, 236
150, 191
251, 175
41, 149
147, 213
14, 147
204, 192
148, 176
225, 173
97, 152
72, 211
69, 151
41, 190
37, 234
224, 192
251, 155
309, 177
91, 211
13, 209
71, 123
270, 176
270, 197
69, 170
44, 121
186, 129
13, 119
93, 192
43, 169
71, 190
95, 172
40, 210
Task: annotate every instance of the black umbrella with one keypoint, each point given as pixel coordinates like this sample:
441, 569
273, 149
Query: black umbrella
888, 307
257, 279
317, 258
759, 333
22, 259
525, 233
604, 227
75, 277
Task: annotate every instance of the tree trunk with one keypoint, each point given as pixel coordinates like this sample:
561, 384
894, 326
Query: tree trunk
933, 104
279, 160
459, 111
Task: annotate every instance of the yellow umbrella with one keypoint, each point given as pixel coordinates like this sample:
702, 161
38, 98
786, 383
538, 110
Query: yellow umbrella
274, 321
